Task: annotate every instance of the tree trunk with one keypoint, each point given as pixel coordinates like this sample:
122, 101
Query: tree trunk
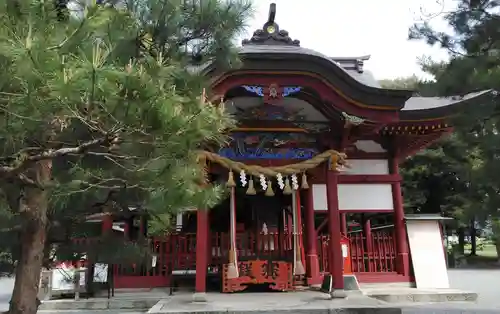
461, 241
496, 235
497, 246
33, 211
472, 233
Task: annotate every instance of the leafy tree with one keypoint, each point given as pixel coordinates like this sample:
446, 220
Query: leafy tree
410, 83
439, 178
436, 178
473, 44
103, 102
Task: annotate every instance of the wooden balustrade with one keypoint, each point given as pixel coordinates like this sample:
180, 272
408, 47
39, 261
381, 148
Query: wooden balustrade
381, 258
178, 252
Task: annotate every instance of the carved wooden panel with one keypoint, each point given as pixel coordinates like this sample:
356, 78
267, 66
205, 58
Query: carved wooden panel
277, 274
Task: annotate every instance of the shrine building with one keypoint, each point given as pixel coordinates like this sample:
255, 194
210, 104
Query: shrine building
313, 173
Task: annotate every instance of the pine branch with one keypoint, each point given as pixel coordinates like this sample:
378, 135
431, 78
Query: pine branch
71, 36
26, 157
87, 186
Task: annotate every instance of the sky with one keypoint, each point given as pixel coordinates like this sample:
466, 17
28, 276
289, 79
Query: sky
352, 28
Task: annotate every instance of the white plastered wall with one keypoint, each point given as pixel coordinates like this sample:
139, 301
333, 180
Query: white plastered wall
356, 197
367, 166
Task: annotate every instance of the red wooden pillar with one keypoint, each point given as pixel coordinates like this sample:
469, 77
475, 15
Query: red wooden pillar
336, 259
343, 224
107, 224
201, 250
313, 276
143, 226
367, 230
126, 229
402, 259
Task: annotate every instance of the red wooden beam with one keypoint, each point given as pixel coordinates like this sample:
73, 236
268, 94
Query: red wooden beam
238, 78
367, 178
322, 224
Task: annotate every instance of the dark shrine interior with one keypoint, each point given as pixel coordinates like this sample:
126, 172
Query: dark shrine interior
251, 210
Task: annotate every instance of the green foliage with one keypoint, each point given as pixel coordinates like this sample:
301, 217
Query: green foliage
109, 96
436, 180
473, 44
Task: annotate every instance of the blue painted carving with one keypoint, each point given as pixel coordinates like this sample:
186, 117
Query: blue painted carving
269, 145
271, 112
259, 90
288, 90
268, 153
272, 139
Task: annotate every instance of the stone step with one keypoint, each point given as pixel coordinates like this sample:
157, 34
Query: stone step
124, 304
402, 295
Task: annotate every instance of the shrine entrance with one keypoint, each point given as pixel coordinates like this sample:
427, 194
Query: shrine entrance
263, 240
256, 234
293, 108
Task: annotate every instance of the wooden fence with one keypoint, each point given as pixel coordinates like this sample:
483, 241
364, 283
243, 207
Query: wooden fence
178, 252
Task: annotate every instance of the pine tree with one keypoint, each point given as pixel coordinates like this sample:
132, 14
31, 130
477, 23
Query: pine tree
436, 179
101, 100
473, 44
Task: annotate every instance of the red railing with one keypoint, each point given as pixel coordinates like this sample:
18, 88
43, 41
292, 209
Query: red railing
377, 254
250, 245
178, 252
323, 247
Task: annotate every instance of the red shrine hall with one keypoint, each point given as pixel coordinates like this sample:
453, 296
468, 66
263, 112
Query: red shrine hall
313, 174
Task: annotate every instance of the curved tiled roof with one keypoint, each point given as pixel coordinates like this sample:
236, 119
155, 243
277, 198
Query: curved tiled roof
272, 49
417, 107
355, 83
351, 66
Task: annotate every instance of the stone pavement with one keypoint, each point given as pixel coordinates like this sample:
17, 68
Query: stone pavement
411, 295
292, 302
88, 312
135, 301
317, 302
482, 281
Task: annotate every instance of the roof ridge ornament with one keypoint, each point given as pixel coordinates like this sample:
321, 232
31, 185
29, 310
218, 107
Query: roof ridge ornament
270, 34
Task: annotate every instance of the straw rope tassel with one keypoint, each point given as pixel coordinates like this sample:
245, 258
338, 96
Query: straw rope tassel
232, 269
230, 179
287, 190
298, 268
304, 185
269, 190
251, 188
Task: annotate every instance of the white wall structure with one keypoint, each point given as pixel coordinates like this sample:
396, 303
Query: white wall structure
319, 197
369, 146
178, 221
356, 197
367, 166
365, 196
427, 254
